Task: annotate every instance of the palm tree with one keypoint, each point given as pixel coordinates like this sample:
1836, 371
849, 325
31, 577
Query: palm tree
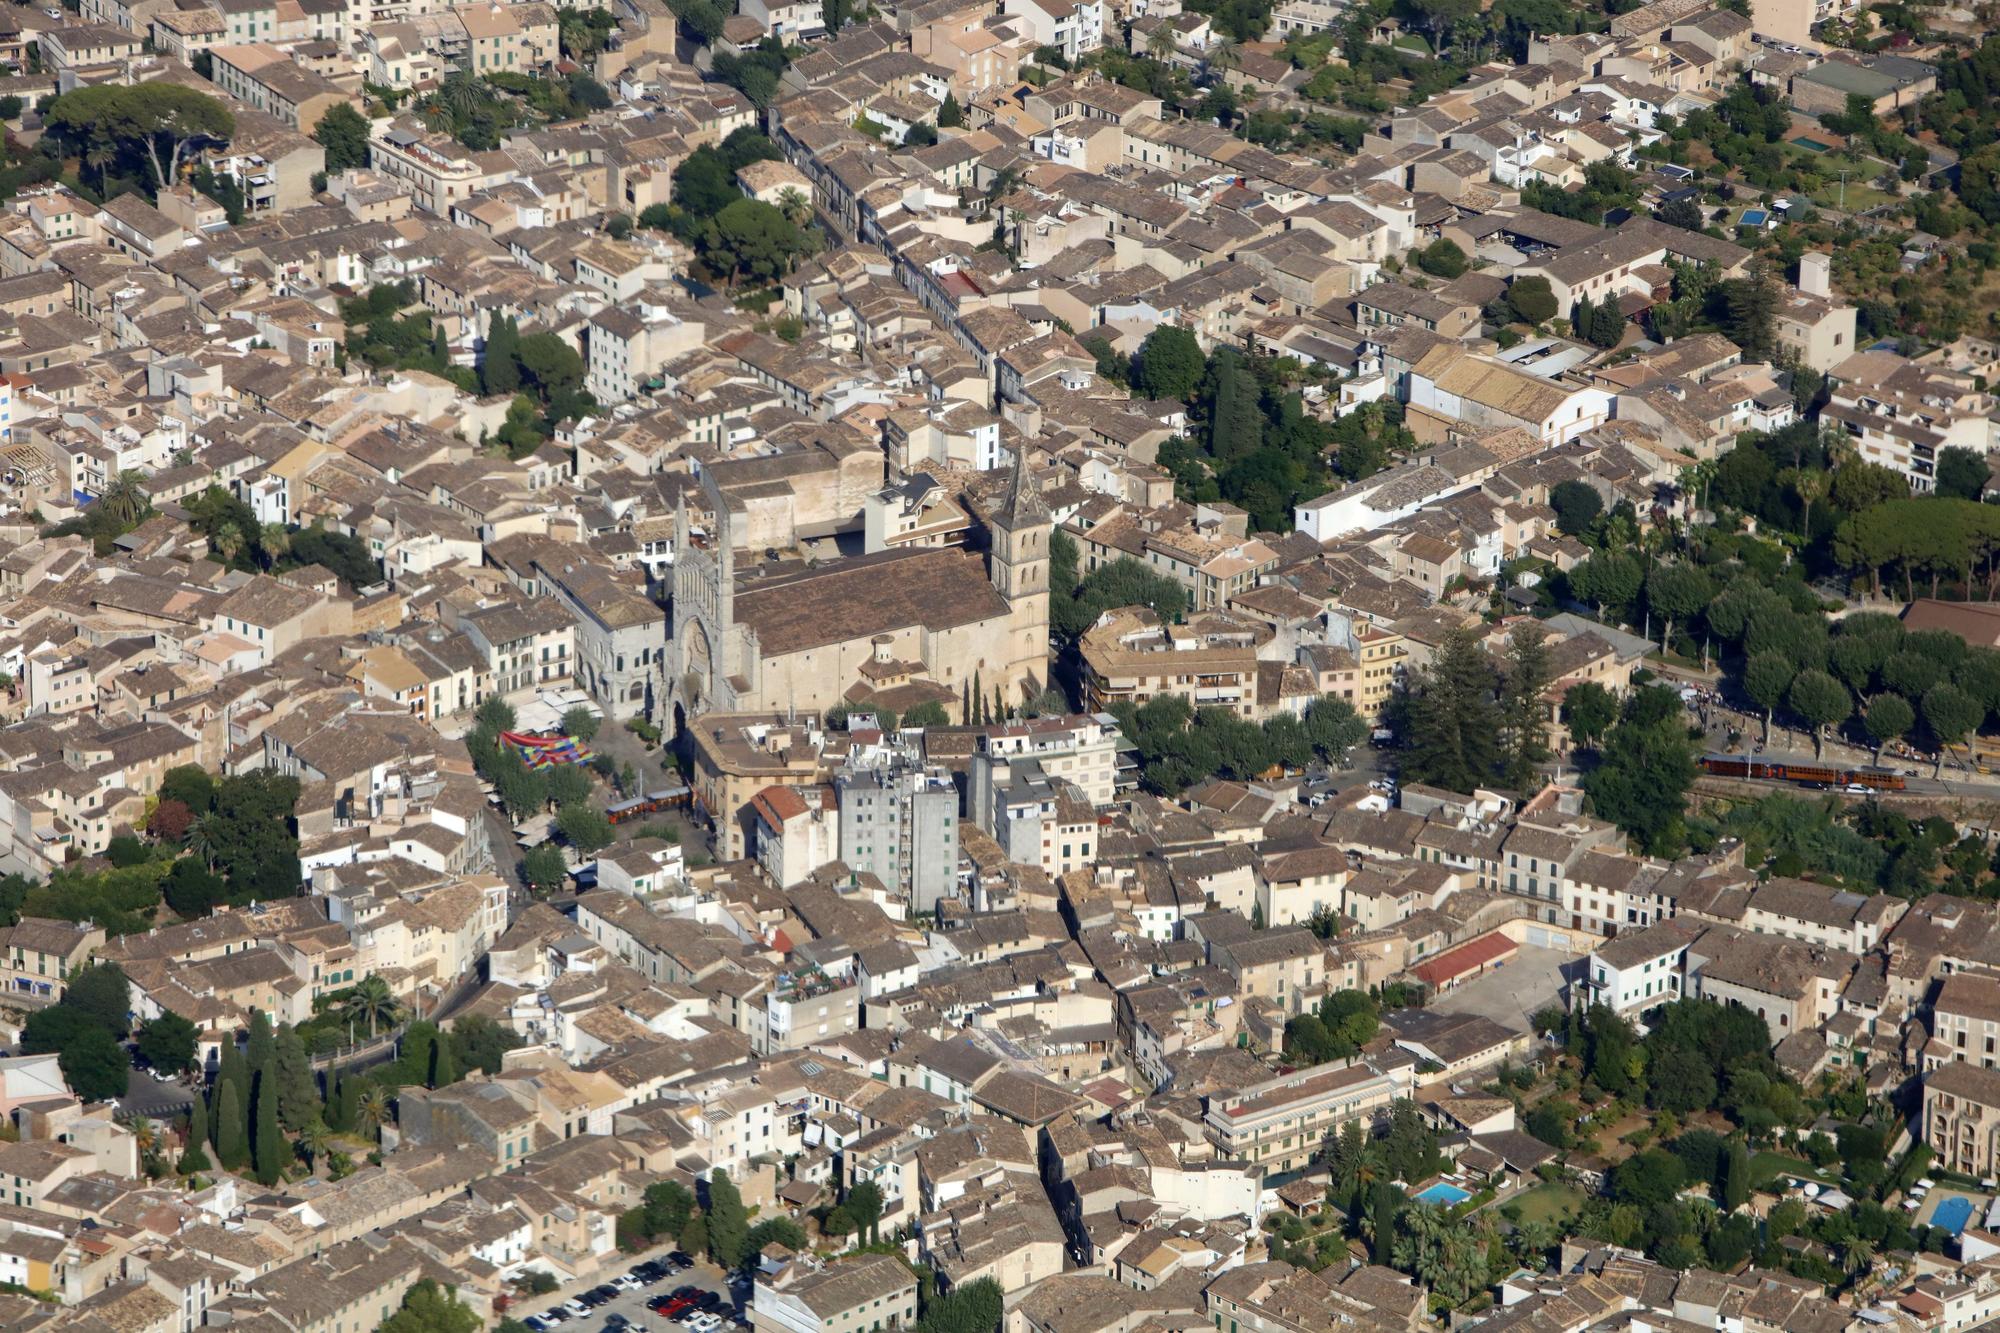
460, 94
436, 115
145, 1135
372, 999
1224, 54
314, 1140
276, 539
125, 499
99, 157
228, 542
201, 838
1809, 484
371, 1110
1856, 1256
1532, 1241
1160, 42
794, 204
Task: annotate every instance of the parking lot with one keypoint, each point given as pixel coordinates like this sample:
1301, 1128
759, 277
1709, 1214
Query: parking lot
631, 1305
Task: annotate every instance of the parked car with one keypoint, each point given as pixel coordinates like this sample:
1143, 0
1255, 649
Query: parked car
597, 1296
676, 1306
704, 1323
626, 1282
681, 1261
614, 1320
556, 1316
539, 1324
709, 1300
578, 1306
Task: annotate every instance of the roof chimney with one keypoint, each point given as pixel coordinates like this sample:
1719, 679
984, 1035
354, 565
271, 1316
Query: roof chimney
1816, 273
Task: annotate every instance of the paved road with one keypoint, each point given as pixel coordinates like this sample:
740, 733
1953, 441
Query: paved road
631, 1304
156, 1099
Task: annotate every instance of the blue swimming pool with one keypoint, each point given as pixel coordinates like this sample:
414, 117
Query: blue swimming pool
1447, 1195
1953, 1214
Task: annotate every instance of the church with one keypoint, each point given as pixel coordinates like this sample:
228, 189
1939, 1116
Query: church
896, 627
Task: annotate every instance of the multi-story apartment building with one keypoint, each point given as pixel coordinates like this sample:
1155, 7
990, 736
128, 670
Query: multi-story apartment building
876, 1293
1965, 1020
37, 955
1902, 415
1281, 1124
1131, 656
899, 822
526, 645
1961, 1118
1820, 914
1077, 748
738, 755
1635, 972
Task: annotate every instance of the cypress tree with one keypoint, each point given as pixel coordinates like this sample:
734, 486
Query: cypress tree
978, 701
965, 702
499, 367
263, 1042
350, 1103
1385, 1222
235, 1070
728, 1221
267, 1138
1736, 1177
292, 1073
440, 347
195, 1157
232, 1130
444, 1069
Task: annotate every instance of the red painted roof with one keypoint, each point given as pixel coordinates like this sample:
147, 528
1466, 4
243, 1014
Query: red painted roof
1468, 957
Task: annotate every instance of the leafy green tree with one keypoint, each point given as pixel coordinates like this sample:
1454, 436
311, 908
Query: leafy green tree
1169, 364
753, 239
1950, 713
146, 119
668, 1207
1442, 259
728, 1222
429, 1308
167, 1044
93, 1062
1766, 678
972, 1307
343, 133
1641, 782
1676, 591
864, 1205
1608, 579
1750, 311
1961, 473
1524, 707
1588, 711
477, 1042
1531, 300
585, 828
1577, 505
1821, 700
775, 1230
950, 114
101, 993
1683, 213
1236, 424
1452, 720
1889, 716
581, 723
544, 868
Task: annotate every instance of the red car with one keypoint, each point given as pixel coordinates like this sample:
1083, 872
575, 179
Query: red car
669, 1306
